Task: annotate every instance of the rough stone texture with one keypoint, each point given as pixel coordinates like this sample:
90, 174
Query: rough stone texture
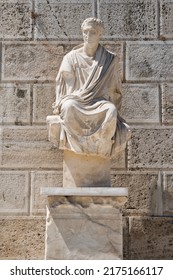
28, 147
148, 61
43, 179
57, 19
43, 98
167, 104
31, 61
143, 197
93, 232
151, 238
166, 23
14, 104
140, 103
168, 194
151, 148
129, 19
15, 20
14, 193
22, 238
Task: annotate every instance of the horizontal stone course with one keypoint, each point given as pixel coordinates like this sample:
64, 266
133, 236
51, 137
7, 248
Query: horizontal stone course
28, 147
15, 20
132, 19
22, 238
14, 104
14, 193
151, 238
61, 19
151, 148
149, 61
140, 103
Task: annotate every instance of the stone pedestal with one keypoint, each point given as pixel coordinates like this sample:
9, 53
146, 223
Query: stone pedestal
84, 223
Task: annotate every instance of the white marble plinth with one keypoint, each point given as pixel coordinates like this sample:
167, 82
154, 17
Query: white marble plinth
85, 171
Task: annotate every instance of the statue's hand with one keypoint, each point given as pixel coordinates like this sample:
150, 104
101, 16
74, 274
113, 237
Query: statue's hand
55, 109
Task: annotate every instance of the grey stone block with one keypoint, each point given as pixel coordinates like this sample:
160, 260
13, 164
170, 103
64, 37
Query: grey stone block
43, 179
43, 98
148, 61
168, 194
140, 103
151, 238
28, 147
129, 19
31, 61
58, 19
22, 238
166, 23
14, 193
167, 103
15, 20
143, 191
151, 148
14, 104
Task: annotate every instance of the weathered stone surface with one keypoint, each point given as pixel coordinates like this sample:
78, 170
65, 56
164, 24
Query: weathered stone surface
15, 20
57, 19
129, 19
14, 104
143, 188
166, 23
151, 238
76, 232
168, 194
151, 148
22, 238
28, 147
14, 193
42, 179
167, 103
85, 170
119, 162
148, 61
32, 61
43, 98
140, 103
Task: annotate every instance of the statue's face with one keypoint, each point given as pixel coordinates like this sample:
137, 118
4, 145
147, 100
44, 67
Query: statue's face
91, 35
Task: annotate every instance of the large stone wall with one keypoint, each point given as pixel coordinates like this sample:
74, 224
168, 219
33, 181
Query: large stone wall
34, 36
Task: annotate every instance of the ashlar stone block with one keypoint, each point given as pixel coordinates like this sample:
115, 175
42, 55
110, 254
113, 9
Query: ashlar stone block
144, 195
15, 20
140, 103
58, 19
166, 23
151, 148
14, 104
28, 147
40, 179
168, 194
151, 238
31, 61
167, 103
148, 61
43, 98
14, 193
22, 238
130, 19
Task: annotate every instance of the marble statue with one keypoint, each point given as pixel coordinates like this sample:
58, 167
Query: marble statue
88, 98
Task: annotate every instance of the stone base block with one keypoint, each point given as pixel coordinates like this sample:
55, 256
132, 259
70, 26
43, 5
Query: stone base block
85, 171
83, 228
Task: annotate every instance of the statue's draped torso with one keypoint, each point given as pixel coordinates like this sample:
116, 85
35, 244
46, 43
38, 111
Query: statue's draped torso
88, 97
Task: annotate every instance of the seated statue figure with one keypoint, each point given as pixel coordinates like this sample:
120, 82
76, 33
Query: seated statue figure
88, 97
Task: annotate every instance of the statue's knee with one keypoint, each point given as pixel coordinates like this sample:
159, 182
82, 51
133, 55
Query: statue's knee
67, 106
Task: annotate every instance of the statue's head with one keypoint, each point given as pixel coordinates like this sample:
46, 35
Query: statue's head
92, 29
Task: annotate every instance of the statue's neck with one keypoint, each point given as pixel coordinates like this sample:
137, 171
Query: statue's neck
90, 51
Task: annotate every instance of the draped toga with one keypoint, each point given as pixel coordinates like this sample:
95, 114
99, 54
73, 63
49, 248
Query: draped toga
88, 98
